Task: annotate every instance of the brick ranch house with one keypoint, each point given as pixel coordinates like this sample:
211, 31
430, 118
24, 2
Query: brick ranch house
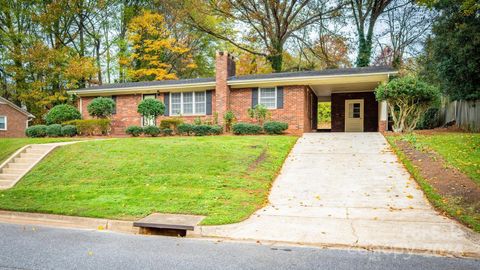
291, 97
13, 119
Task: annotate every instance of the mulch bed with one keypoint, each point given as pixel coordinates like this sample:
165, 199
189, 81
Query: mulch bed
447, 180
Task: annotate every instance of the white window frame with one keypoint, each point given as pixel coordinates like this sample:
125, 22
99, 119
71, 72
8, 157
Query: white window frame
194, 104
276, 97
6, 121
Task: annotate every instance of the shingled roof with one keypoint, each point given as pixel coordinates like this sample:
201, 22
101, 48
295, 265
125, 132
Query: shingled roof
279, 75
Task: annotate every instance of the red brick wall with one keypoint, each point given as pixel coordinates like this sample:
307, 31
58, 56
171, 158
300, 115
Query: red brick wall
294, 112
16, 122
370, 110
127, 115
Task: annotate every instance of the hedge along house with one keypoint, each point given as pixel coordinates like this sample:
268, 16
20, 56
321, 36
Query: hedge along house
291, 97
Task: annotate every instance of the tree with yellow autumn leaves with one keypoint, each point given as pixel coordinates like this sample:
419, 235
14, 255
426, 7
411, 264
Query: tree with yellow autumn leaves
154, 51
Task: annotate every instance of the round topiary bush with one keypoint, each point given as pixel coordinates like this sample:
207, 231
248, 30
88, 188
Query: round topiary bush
101, 107
151, 108
62, 113
135, 131
69, 130
275, 127
36, 131
54, 130
153, 131
246, 129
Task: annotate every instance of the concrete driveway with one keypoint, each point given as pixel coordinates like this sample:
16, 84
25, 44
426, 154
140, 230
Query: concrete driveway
349, 189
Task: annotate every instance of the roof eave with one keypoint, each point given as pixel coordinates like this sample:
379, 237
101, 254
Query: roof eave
152, 88
308, 80
11, 104
237, 83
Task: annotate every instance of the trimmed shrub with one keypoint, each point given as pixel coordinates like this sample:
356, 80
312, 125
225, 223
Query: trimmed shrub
216, 130
69, 130
134, 131
275, 127
408, 98
201, 130
62, 113
167, 131
185, 129
246, 129
36, 131
153, 131
101, 107
54, 130
151, 108
91, 126
171, 123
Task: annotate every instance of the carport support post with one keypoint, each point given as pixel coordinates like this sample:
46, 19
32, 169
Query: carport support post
383, 116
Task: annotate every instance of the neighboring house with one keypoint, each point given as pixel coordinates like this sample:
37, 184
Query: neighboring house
291, 97
13, 119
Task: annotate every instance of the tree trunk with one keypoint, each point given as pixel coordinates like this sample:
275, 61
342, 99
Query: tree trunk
275, 58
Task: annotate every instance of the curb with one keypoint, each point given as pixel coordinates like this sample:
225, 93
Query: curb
51, 220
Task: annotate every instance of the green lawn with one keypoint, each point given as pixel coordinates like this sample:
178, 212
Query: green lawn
9, 145
225, 178
461, 150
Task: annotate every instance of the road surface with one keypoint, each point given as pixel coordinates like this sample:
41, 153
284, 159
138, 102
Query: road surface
33, 247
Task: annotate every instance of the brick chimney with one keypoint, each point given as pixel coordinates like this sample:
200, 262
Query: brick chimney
224, 68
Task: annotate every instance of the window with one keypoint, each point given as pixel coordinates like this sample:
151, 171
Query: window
354, 110
3, 123
268, 97
149, 121
114, 98
200, 103
188, 103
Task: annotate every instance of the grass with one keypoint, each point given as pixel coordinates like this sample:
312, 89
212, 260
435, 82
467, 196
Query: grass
9, 145
458, 211
461, 150
225, 178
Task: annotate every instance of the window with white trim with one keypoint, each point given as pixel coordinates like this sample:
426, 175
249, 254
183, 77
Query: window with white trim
3, 123
149, 121
188, 103
268, 97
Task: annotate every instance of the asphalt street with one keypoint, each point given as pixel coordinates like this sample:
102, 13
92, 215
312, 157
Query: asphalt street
33, 247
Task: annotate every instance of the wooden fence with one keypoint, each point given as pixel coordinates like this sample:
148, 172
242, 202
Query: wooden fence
466, 114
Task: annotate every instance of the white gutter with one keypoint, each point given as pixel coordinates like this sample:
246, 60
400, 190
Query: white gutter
143, 88
303, 79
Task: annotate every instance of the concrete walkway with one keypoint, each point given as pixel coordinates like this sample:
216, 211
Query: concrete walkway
348, 189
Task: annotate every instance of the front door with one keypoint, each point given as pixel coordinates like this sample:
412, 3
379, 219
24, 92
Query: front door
354, 115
